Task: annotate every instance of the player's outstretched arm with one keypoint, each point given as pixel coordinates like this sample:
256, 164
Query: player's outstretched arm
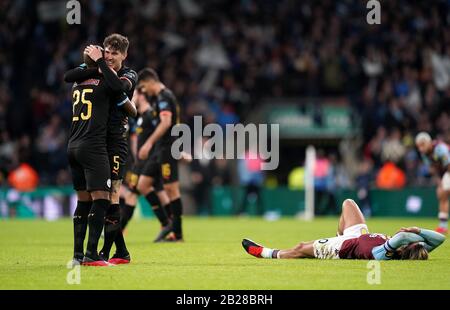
386, 251
130, 109
127, 105
79, 74
111, 78
432, 239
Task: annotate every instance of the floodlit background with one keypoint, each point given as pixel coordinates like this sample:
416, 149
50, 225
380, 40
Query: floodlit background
356, 92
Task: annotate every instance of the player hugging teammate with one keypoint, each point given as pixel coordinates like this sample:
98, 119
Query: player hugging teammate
98, 147
99, 151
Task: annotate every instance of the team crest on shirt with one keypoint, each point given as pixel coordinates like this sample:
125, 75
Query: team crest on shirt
139, 121
108, 183
163, 105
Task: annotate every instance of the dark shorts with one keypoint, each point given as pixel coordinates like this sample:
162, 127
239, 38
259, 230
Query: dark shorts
129, 162
151, 168
131, 181
118, 154
131, 178
90, 169
169, 166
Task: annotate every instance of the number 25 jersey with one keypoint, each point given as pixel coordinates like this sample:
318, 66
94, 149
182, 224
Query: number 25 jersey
91, 101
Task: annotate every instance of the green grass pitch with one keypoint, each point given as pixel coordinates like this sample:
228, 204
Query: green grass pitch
34, 255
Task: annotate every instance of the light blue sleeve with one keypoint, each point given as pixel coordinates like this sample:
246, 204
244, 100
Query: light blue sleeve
123, 99
386, 251
442, 153
432, 239
380, 253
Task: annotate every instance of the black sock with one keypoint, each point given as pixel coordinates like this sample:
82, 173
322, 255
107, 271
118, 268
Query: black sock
275, 253
80, 222
121, 248
112, 227
125, 215
168, 209
159, 211
177, 209
96, 221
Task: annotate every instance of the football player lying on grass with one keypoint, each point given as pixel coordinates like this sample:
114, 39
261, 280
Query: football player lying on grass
354, 241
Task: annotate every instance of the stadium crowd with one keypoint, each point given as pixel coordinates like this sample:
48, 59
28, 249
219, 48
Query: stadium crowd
222, 57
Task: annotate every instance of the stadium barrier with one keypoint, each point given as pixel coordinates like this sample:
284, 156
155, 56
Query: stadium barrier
54, 203
419, 202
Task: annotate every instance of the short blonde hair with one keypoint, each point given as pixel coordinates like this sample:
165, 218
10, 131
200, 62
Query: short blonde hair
423, 137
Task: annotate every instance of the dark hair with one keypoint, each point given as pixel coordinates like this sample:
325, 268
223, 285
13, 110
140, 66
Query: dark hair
88, 61
117, 42
148, 74
413, 251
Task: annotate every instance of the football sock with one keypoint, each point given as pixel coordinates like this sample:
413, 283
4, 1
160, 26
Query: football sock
177, 209
443, 220
112, 227
268, 253
96, 220
168, 209
80, 222
159, 211
126, 215
276, 254
121, 248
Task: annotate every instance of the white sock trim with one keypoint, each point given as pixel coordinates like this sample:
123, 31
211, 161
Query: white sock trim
266, 253
443, 215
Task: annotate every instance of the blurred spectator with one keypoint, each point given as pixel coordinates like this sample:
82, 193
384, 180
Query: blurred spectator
24, 178
375, 147
392, 148
363, 184
50, 145
202, 173
324, 184
296, 178
251, 178
223, 58
391, 177
222, 173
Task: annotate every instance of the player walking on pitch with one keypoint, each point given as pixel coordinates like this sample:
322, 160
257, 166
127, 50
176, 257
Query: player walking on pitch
167, 110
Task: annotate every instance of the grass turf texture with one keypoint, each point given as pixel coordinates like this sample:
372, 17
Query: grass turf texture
35, 253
